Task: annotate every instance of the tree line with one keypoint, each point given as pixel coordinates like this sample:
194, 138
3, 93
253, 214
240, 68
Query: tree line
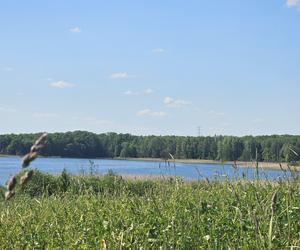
274, 148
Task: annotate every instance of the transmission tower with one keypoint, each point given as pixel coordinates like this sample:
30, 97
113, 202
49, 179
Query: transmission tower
199, 131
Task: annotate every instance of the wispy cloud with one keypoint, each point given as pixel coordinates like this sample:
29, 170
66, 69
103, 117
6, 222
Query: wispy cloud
121, 75
7, 69
175, 103
149, 112
75, 30
131, 93
45, 115
138, 93
158, 50
148, 91
293, 4
62, 85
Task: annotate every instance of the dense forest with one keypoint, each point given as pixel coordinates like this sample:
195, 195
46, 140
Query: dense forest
275, 148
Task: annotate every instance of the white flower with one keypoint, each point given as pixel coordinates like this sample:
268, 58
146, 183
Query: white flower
206, 237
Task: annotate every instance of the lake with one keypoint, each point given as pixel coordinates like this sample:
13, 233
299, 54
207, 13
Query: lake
11, 165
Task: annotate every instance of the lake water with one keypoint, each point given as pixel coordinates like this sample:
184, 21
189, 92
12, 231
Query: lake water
11, 165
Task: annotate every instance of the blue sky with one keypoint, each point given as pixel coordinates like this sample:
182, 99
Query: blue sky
150, 67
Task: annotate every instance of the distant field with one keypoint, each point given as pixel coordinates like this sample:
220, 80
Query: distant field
110, 212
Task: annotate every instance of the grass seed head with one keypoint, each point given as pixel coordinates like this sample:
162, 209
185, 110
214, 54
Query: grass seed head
274, 203
41, 140
28, 159
35, 148
11, 183
26, 177
39, 143
9, 194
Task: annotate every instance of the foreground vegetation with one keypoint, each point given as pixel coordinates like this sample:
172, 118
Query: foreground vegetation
98, 212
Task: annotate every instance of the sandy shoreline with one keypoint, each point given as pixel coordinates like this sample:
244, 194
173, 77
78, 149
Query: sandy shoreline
263, 165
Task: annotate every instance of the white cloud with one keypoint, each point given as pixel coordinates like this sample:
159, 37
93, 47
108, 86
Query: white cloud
172, 103
45, 115
75, 30
158, 50
293, 4
132, 93
62, 85
148, 91
7, 69
149, 112
120, 75
137, 93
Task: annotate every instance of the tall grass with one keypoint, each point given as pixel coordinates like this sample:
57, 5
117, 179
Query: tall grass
98, 212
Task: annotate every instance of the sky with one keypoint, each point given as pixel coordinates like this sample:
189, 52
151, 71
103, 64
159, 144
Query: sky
150, 67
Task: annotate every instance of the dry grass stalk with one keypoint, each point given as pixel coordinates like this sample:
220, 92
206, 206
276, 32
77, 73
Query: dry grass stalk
9, 194
28, 159
273, 209
32, 155
274, 203
25, 178
104, 246
207, 180
39, 143
11, 183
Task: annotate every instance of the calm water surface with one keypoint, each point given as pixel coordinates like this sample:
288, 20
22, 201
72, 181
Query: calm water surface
11, 165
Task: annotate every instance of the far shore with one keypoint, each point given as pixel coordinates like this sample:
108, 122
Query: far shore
263, 165
249, 164
2, 155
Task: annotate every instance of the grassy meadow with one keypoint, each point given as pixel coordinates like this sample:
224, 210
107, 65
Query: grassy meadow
108, 212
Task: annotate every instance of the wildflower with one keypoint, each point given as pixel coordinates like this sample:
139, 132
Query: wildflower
206, 237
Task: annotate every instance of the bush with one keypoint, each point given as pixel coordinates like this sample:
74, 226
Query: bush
47, 185
40, 184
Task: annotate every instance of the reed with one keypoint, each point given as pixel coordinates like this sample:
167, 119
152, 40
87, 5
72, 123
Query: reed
273, 210
97, 212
